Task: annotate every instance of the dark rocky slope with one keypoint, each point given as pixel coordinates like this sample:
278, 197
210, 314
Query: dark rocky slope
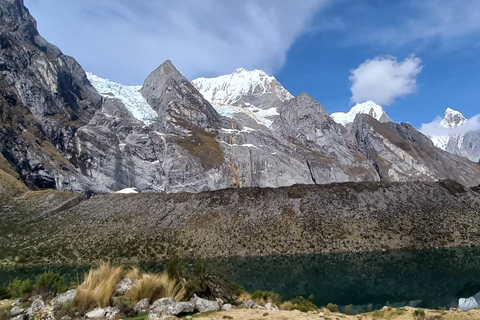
236, 222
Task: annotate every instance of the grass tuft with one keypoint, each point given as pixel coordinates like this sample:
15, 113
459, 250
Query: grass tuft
156, 286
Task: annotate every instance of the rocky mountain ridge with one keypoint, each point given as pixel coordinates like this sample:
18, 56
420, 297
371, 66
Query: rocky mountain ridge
58, 131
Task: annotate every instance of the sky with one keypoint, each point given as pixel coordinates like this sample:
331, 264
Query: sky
415, 58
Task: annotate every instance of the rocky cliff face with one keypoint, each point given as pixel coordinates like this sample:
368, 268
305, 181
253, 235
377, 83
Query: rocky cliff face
57, 131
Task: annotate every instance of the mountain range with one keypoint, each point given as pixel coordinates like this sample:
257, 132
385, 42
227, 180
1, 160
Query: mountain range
62, 128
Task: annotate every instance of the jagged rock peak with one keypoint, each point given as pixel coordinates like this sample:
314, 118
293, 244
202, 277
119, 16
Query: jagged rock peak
167, 67
368, 107
231, 88
453, 119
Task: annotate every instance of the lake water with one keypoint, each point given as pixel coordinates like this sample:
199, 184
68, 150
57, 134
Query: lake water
420, 278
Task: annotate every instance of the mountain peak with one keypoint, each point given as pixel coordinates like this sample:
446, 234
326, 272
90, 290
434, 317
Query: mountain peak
229, 89
368, 107
453, 119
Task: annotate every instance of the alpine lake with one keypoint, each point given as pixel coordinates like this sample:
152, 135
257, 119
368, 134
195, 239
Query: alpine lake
418, 278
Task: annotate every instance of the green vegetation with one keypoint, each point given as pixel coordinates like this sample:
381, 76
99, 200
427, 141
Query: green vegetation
299, 303
419, 314
349, 309
49, 282
263, 297
332, 307
18, 288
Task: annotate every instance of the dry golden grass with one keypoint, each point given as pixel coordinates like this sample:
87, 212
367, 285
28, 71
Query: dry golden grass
244, 296
287, 305
154, 286
98, 287
134, 274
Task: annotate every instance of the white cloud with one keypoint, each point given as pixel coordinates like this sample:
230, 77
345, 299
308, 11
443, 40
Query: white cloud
435, 129
125, 40
383, 79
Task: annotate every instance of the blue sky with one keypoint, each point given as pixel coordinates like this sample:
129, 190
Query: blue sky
415, 58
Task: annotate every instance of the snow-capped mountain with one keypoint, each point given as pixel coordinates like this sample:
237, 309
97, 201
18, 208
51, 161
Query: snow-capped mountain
251, 92
367, 107
455, 134
129, 95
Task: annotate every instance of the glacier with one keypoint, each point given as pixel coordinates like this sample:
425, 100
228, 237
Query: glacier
368, 107
129, 95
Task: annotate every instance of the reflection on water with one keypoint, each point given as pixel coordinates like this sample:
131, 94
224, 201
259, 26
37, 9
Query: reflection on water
425, 278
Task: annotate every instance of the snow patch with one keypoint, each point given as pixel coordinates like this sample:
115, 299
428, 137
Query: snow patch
129, 95
128, 190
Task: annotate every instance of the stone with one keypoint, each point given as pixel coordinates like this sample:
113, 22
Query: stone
467, 303
19, 317
188, 318
95, 313
123, 286
15, 311
142, 306
111, 312
271, 306
220, 301
204, 305
227, 307
169, 307
37, 305
250, 304
62, 299
45, 314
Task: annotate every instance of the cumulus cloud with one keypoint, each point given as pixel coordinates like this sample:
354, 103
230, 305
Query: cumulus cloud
125, 40
436, 129
383, 79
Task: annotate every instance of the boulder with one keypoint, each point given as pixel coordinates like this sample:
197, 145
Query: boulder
16, 311
111, 312
227, 307
467, 303
19, 317
271, 306
123, 286
142, 306
37, 305
204, 305
95, 313
169, 307
250, 304
62, 299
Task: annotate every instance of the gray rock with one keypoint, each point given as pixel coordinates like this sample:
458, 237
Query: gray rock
111, 312
204, 305
36, 305
227, 307
271, 306
250, 304
95, 313
19, 317
46, 313
15, 311
62, 299
169, 307
123, 286
142, 306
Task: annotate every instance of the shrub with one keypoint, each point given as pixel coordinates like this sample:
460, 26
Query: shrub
304, 305
349, 309
287, 305
332, 307
97, 288
49, 281
400, 311
370, 307
206, 284
4, 293
263, 297
155, 286
176, 269
18, 288
419, 314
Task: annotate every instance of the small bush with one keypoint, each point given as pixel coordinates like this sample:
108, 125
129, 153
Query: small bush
4, 293
400, 311
50, 282
332, 307
287, 305
18, 288
304, 305
176, 269
370, 307
264, 297
419, 314
4, 314
349, 310
156, 286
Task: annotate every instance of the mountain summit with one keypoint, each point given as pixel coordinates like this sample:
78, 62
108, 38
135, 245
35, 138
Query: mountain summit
368, 107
